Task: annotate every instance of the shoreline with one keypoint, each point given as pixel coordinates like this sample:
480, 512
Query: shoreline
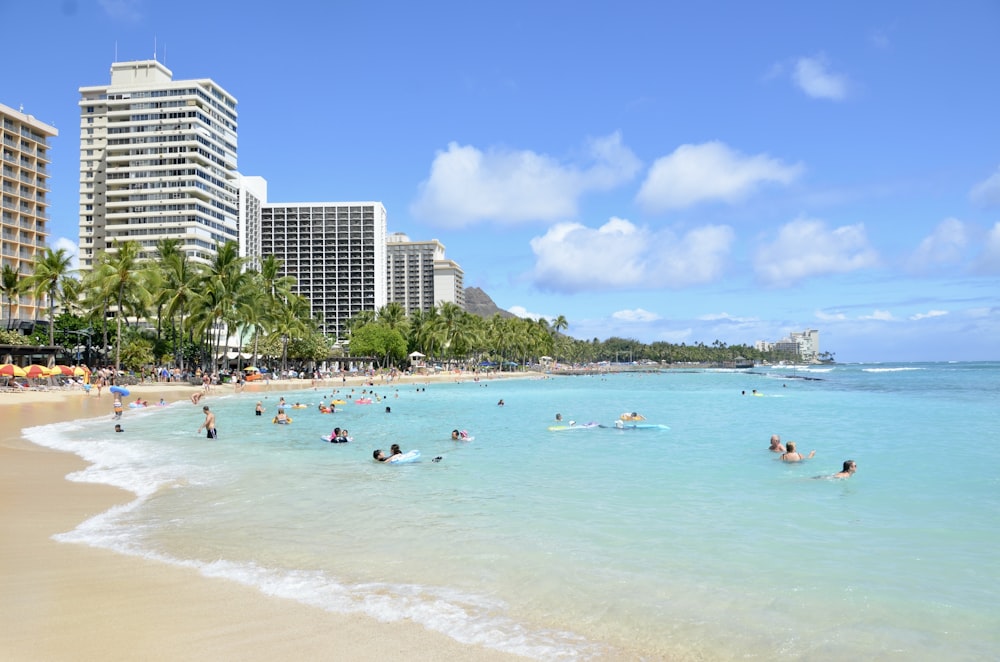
64, 601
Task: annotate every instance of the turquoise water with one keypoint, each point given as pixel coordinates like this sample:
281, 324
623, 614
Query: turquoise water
687, 543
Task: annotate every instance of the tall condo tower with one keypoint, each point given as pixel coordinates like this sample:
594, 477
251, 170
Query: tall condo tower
335, 251
420, 277
157, 161
24, 177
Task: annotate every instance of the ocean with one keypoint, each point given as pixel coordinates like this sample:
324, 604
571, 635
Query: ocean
688, 543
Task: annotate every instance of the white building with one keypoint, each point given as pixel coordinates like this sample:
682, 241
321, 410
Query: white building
24, 213
336, 251
252, 193
804, 344
808, 342
420, 277
157, 160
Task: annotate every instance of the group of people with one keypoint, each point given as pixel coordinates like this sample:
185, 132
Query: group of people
394, 454
790, 454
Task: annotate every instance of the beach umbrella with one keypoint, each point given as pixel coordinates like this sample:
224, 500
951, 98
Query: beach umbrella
34, 370
80, 371
11, 370
250, 369
61, 370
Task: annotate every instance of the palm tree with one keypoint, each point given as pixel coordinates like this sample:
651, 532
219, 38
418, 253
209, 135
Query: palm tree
560, 324
225, 284
11, 286
121, 278
51, 266
291, 321
180, 288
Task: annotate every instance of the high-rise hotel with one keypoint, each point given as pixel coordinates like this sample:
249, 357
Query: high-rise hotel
157, 160
335, 251
420, 276
24, 213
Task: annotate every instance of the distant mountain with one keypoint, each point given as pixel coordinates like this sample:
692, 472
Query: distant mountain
479, 303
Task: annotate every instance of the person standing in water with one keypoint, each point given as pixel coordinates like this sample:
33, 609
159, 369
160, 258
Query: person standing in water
209, 424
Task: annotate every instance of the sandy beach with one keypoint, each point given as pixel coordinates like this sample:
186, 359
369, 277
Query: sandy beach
64, 601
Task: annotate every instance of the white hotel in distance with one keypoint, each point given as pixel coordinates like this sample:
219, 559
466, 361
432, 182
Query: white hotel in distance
157, 160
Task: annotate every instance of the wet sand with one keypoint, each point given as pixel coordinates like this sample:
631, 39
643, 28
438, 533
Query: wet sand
65, 601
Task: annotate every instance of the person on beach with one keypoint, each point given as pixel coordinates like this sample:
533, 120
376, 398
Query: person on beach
118, 407
196, 398
259, 409
209, 424
776, 446
792, 455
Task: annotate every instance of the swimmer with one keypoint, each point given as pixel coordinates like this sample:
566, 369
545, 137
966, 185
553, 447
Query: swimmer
118, 428
850, 466
558, 417
776, 446
259, 409
792, 455
379, 456
500, 404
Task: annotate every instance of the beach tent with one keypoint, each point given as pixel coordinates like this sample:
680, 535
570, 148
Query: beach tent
416, 355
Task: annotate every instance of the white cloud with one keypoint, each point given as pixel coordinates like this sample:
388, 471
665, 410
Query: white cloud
127, 10
806, 248
813, 77
879, 315
72, 249
521, 311
944, 246
571, 257
928, 314
987, 192
636, 315
830, 317
467, 185
709, 171
988, 261
715, 317
675, 336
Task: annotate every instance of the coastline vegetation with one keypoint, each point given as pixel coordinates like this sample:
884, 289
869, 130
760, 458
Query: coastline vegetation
135, 313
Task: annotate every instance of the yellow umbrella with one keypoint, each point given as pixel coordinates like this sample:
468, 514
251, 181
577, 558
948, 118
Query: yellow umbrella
35, 370
80, 372
11, 370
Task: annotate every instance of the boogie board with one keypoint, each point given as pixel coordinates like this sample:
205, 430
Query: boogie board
411, 456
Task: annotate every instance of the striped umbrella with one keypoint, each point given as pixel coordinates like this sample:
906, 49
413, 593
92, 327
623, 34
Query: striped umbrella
34, 370
11, 370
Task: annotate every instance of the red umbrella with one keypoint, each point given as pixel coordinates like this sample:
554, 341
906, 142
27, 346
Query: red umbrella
62, 369
35, 370
11, 370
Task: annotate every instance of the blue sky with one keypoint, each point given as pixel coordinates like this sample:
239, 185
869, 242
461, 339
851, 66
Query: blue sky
654, 170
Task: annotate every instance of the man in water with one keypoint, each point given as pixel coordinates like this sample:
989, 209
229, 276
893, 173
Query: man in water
792, 455
776, 446
209, 424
